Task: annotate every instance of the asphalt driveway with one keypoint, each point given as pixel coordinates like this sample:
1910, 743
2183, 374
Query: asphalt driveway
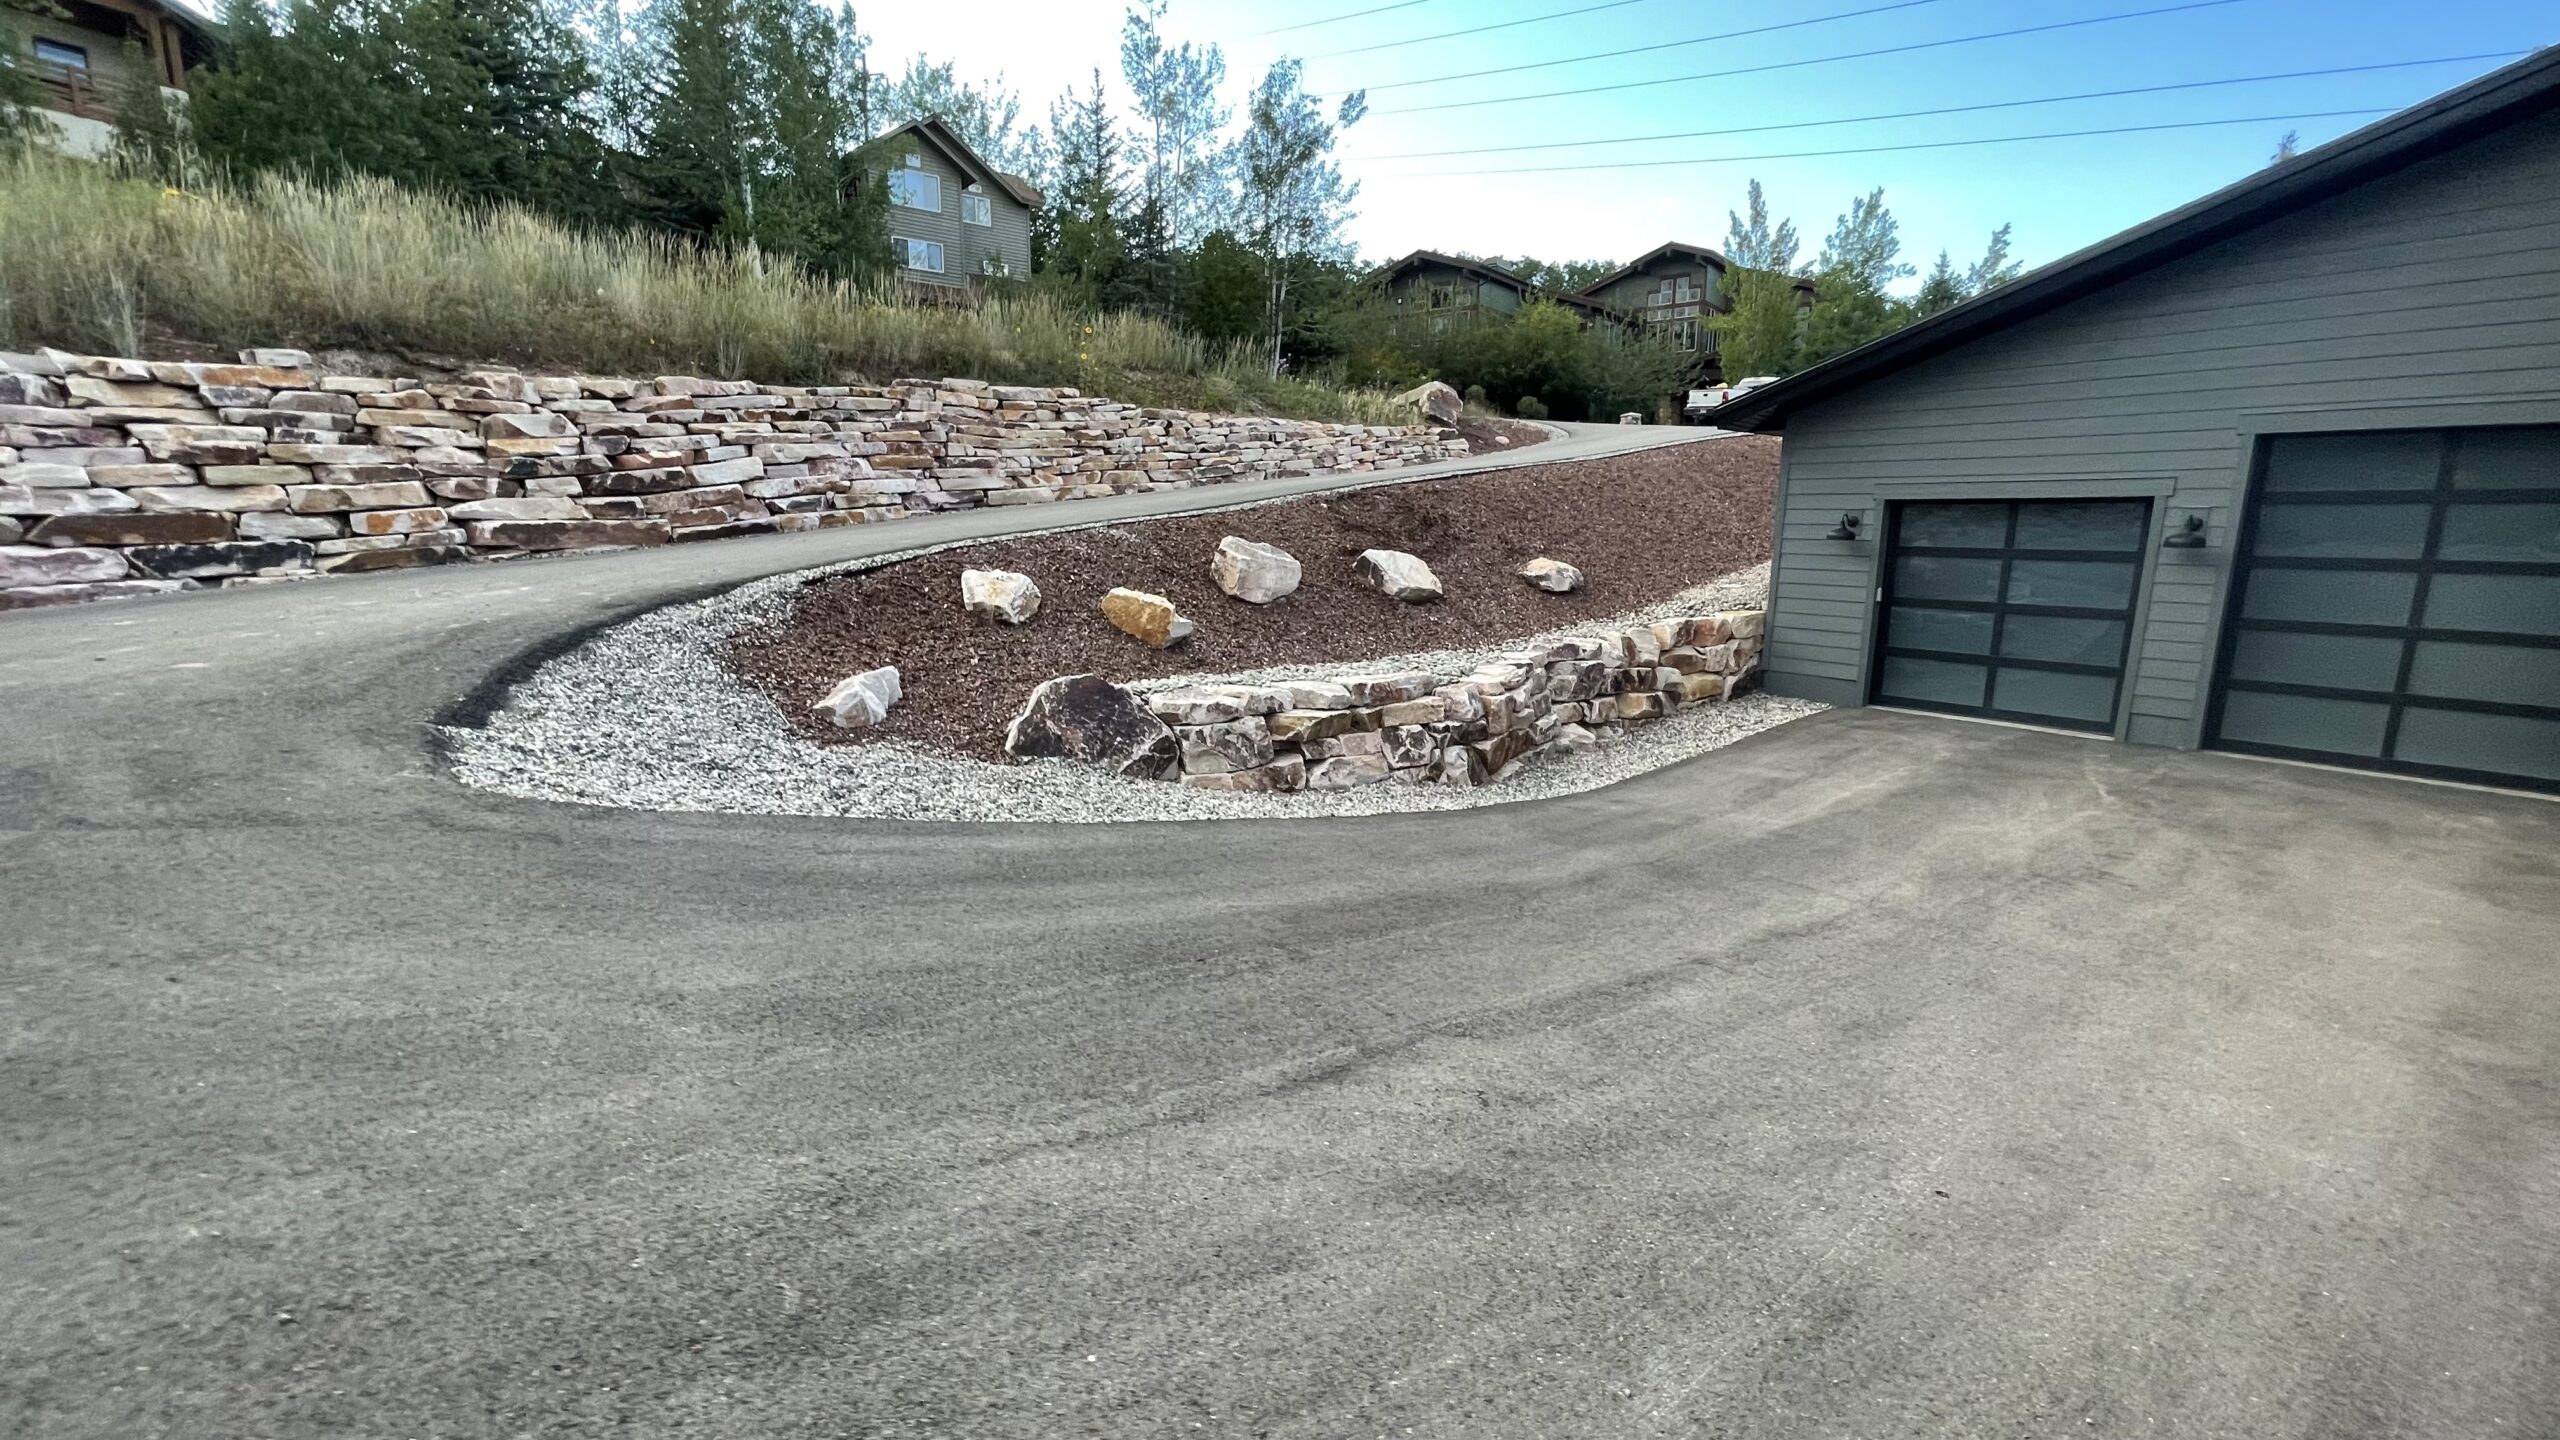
1878, 1076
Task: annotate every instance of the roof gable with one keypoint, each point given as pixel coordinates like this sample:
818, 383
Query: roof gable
1478, 268
2494, 102
929, 130
1714, 259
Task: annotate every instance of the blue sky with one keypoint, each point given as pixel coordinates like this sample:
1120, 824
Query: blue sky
2061, 194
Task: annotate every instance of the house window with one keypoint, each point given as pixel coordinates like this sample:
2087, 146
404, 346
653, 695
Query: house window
915, 189
1444, 297
1687, 289
1684, 333
976, 209
994, 266
54, 52
923, 255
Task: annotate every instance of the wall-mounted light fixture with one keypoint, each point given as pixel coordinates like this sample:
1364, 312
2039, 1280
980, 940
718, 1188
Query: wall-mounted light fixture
1847, 529
2185, 533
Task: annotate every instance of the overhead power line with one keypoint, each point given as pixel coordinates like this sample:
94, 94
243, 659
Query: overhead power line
1476, 30
1892, 149
1665, 45
1816, 60
1354, 15
1942, 110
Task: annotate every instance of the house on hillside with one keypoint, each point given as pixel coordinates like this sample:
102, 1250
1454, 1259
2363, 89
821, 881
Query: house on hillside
1667, 291
84, 53
1429, 285
2303, 501
1670, 292
954, 220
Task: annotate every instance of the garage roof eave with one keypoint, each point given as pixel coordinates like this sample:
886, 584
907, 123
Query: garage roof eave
2493, 102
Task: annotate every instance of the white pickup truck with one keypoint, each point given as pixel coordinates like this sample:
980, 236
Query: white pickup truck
1702, 403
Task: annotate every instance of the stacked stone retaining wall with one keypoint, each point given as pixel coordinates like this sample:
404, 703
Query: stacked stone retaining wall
1570, 695
122, 476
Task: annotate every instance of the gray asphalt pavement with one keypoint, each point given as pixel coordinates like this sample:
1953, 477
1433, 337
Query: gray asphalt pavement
1878, 1076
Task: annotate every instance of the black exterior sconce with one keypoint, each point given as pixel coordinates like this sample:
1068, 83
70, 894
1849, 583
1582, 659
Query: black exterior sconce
1847, 529
2186, 533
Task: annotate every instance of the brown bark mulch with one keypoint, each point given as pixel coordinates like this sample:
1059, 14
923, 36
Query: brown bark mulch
1640, 527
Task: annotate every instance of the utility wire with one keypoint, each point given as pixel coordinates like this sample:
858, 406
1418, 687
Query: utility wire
1891, 149
1476, 30
1943, 110
1354, 15
1667, 45
1816, 60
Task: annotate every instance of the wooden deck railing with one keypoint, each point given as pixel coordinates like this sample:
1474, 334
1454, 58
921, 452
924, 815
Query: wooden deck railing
71, 90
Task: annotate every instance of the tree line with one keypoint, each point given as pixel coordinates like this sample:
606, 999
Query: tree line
748, 125
1771, 330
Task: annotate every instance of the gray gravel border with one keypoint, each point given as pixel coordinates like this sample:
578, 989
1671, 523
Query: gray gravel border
646, 716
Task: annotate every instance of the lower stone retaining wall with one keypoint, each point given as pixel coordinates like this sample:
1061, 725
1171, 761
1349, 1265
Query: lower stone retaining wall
122, 476
1571, 695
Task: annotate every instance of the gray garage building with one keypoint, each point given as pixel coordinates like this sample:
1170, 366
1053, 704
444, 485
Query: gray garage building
2277, 472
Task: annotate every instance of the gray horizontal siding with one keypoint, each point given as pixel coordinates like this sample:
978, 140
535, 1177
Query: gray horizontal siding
2440, 284
965, 247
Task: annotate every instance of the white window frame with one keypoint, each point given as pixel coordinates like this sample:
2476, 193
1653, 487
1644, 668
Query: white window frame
913, 175
908, 250
977, 209
79, 55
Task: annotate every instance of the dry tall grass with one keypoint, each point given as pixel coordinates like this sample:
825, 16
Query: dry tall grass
89, 260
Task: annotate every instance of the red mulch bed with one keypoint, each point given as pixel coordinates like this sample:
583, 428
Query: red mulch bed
1639, 526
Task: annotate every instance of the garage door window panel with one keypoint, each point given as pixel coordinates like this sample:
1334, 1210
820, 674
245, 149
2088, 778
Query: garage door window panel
2087, 698
1953, 632
1947, 577
1933, 682
2069, 639
2408, 631
2323, 596
2295, 530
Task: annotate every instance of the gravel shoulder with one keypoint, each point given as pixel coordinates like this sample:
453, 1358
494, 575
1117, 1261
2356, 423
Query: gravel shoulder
649, 715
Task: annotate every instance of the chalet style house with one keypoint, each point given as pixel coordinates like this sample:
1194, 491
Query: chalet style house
1428, 285
84, 53
954, 220
1669, 292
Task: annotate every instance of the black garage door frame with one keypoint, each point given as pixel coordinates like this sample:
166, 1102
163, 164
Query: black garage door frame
2440, 497
2000, 608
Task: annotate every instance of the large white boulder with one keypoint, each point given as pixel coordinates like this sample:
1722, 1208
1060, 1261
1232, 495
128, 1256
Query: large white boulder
1435, 401
1253, 572
1004, 595
1400, 575
1553, 576
863, 700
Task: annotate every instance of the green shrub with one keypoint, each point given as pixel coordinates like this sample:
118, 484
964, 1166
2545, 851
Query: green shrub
93, 260
1530, 407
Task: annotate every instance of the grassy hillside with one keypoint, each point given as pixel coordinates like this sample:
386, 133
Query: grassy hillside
96, 263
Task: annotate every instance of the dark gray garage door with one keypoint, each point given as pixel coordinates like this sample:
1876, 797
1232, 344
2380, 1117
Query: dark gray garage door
2397, 606
2020, 610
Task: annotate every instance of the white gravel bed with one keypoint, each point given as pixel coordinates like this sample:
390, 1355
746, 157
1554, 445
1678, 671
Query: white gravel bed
646, 716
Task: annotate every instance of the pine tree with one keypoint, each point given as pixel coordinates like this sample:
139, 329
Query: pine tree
1084, 244
1942, 290
524, 75
698, 122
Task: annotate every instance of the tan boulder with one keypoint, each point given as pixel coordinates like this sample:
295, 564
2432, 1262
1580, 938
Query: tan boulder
1150, 618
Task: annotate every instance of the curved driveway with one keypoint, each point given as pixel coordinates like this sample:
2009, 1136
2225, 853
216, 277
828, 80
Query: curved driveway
1878, 1076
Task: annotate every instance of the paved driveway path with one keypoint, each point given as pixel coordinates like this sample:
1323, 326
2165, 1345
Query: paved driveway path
1878, 1076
